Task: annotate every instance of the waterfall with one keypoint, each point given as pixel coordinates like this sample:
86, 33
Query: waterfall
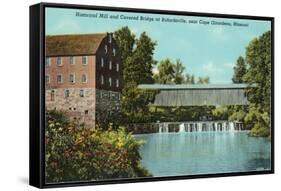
181, 128
231, 126
188, 127
206, 126
199, 127
163, 128
166, 128
202, 126
239, 126
227, 126
160, 128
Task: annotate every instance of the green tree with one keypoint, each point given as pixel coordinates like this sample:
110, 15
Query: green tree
137, 63
169, 72
136, 54
203, 80
165, 74
238, 112
189, 79
258, 59
75, 153
260, 120
239, 70
220, 112
142, 58
125, 40
192, 79
178, 69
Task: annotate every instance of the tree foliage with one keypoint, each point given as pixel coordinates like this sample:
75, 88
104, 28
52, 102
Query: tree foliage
260, 119
203, 80
170, 72
239, 70
137, 60
136, 54
143, 55
125, 40
258, 58
220, 112
76, 153
255, 70
189, 79
165, 72
178, 69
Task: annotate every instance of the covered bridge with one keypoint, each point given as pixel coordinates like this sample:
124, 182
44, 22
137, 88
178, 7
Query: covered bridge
198, 94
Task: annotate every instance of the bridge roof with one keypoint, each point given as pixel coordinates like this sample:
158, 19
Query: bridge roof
193, 86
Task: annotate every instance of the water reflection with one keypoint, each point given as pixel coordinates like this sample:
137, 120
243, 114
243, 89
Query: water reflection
168, 154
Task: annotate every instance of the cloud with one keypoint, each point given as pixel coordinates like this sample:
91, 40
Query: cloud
218, 33
219, 73
228, 65
67, 25
211, 68
136, 30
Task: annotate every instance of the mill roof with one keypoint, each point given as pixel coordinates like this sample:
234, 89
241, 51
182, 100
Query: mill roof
73, 44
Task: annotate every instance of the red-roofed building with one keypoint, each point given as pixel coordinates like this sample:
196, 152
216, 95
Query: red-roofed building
83, 76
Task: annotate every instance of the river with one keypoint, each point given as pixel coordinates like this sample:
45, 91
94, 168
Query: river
190, 153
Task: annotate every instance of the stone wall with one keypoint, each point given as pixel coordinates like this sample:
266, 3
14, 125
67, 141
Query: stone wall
108, 106
107, 100
101, 103
75, 106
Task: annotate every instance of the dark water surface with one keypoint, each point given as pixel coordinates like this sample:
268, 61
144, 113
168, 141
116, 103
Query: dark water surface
171, 154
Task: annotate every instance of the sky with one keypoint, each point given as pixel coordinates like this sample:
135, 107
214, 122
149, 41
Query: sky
204, 49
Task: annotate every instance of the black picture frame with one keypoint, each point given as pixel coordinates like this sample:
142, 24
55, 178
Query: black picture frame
37, 95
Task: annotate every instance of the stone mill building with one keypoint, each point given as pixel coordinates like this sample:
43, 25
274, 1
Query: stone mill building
83, 76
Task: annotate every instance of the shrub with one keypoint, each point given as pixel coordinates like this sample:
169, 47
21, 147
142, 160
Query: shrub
259, 131
261, 120
75, 153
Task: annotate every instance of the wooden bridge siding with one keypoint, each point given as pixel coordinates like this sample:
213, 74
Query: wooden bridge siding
197, 97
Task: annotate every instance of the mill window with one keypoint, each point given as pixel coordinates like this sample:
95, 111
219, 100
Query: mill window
117, 83
84, 78
53, 95
102, 79
59, 61
84, 60
110, 65
71, 60
66, 93
48, 61
102, 62
59, 78
47, 79
114, 52
82, 93
110, 81
72, 78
